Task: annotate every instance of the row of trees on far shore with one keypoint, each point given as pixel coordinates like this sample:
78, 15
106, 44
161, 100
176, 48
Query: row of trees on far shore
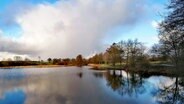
78, 61
18, 61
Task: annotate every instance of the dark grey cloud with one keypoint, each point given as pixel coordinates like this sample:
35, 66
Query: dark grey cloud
12, 46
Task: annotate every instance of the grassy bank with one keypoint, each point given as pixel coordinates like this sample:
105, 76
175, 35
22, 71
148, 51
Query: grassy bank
105, 66
154, 69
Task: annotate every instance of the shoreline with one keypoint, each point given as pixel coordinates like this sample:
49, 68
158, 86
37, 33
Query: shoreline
145, 72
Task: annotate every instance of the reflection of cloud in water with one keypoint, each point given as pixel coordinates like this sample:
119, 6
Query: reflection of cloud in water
134, 87
72, 85
161, 81
60, 86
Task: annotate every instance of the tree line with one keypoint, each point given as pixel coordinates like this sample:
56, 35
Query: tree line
131, 53
19, 61
78, 61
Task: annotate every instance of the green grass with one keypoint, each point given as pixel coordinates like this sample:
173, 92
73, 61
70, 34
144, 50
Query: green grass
109, 66
159, 62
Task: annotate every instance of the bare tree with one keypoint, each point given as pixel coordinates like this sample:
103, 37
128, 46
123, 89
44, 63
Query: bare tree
171, 32
131, 50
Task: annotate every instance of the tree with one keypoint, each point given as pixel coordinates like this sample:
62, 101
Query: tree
114, 53
57, 61
73, 61
106, 58
79, 60
97, 59
49, 60
100, 58
27, 59
171, 32
132, 49
66, 61
158, 53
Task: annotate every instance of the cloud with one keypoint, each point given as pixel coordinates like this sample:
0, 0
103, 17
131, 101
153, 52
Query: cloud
155, 24
68, 28
11, 11
13, 46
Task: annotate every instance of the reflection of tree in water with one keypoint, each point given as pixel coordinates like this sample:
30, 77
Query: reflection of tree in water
132, 84
80, 74
114, 81
98, 74
173, 94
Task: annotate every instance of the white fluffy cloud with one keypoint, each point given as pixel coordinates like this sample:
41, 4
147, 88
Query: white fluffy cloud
155, 24
68, 28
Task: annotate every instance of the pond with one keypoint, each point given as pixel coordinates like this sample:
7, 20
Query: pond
75, 85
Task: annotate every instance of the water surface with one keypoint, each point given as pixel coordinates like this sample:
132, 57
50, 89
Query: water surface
75, 85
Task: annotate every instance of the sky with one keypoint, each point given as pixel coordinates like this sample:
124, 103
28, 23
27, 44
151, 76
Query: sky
66, 28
